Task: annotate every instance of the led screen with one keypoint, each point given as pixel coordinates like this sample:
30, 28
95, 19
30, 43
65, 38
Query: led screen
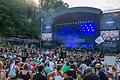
47, 36
112, 35
110, 20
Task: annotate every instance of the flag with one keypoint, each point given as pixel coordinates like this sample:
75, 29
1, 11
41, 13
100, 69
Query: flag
99, 40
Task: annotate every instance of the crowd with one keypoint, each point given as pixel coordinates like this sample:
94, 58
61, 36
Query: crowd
31, 63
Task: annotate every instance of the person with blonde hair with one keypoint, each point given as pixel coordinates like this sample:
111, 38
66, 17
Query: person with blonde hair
2, 72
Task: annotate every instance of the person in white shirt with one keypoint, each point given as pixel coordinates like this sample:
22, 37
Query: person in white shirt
83, 67
51, 65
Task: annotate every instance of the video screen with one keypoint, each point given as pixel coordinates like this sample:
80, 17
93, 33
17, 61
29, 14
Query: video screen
110, 20
46, 36
111, 35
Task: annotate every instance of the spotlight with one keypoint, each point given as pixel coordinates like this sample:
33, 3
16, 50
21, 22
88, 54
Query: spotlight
88, 30
82, 27
47, 27
76, 23
92, 30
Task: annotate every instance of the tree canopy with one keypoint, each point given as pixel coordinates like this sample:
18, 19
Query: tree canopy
21, 17
51, 6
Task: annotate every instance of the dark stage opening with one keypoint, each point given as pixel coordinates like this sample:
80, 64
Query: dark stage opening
76, 30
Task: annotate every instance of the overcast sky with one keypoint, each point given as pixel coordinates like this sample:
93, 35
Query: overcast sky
101, 4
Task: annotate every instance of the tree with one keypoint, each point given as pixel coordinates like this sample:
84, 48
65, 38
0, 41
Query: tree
6, 24
48, 7
13, 18
18, 17
33, 20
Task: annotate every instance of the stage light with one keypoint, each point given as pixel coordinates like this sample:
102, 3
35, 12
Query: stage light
88, 30
109, 22
47, 27
92, 30
82, 27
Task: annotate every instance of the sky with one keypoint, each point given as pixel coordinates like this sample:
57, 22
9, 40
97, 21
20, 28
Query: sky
101, 4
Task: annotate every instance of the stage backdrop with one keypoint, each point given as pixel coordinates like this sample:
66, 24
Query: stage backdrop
76, 27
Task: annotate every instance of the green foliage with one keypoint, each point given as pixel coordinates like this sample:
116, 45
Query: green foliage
5, 21
17, 17
13, 18
51, 6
